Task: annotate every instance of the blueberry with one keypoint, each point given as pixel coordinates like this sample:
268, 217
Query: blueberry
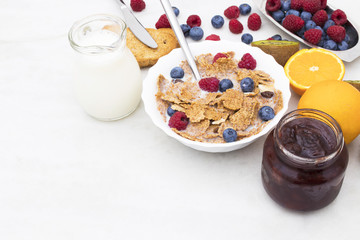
306, 16
293, 12
229, 135
170, 111
247, 84
321, 43
277, 37
245, 9
343, 45
330, 44
323, 33
266, 113
328, 24
285, 5
177, 72
347, 38
217, 21
310, 25
278, 15
225, 84
247, 38
196, 33
186, 29
301, 32
176, 11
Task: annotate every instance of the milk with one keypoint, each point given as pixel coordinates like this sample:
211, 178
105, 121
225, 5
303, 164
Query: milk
106, 74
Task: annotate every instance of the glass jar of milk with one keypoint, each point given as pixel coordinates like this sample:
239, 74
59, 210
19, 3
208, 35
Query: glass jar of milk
107, 76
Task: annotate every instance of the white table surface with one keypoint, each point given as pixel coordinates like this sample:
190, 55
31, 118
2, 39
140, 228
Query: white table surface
64, 175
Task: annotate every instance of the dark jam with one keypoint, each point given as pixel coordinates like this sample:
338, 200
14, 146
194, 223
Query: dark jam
304, 161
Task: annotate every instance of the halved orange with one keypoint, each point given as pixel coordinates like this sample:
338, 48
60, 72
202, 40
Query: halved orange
309, 66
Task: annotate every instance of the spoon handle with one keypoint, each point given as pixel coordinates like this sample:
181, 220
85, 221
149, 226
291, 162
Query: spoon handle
180, 36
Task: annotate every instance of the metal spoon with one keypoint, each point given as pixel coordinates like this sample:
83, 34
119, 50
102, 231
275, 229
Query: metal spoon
180, 36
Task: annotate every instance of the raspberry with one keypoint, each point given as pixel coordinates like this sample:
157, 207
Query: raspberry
254, 22
339, 17
336, 33
193, 21
137, 5
219, 55
235, 26
293, 23
232, 12
311, 6
313, 36
247, 61
296, 4
273, 5
179, 121
213, 37
209, 84
163, 22
323, 4
320, 17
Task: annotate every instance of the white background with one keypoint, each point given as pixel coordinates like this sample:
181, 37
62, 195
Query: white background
64, 175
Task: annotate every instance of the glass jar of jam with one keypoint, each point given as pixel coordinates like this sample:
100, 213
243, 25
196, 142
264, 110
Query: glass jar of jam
304, 160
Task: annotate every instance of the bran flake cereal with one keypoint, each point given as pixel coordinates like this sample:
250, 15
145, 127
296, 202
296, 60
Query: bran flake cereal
210, 113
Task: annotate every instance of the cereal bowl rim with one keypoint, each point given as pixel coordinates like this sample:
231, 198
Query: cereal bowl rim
167, 62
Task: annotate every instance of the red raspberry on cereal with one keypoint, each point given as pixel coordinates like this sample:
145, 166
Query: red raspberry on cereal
247, 61
296, 4
137, 5
163, 22
320, 17
254, 22
293, 23
235, 26
232, 12
311, 6
178, 120
273, 5
193, 21
336, 33
339, 17
213, 37
219, 55
209, 84
313, 36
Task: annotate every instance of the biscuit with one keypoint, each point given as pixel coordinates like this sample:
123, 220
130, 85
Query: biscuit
146, 56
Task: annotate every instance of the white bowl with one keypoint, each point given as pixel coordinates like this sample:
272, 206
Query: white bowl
265, 63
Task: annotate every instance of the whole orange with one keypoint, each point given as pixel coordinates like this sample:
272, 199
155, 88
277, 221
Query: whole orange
338, 99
